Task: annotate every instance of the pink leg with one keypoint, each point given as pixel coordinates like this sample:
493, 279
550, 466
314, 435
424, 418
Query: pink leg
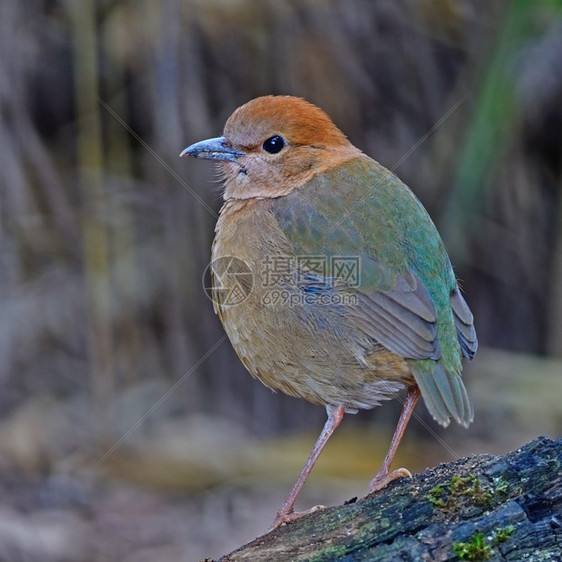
286, 513
383, 477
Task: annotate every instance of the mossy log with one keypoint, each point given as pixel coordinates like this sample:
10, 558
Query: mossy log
478, 508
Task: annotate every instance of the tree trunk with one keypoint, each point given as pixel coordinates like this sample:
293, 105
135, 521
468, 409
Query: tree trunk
478, 508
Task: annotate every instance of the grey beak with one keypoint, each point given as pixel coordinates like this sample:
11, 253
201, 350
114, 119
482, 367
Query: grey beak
212, 149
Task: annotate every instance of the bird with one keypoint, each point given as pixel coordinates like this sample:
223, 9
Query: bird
345, 293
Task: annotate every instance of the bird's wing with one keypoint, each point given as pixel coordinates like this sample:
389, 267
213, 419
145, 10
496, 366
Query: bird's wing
402, 319
394, 304
464, 323
409, 300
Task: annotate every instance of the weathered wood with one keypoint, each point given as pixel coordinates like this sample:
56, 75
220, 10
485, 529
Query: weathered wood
478, 508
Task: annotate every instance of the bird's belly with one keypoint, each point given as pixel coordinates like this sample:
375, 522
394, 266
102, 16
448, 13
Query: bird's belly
288, 338
309, 350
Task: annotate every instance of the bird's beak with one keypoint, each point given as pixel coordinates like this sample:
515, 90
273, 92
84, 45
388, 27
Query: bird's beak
213, 149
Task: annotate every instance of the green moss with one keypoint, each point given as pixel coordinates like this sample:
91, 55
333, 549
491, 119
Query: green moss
435, 497
476, 549
502, 534
460, 489
501, 486
474, 489
481, 548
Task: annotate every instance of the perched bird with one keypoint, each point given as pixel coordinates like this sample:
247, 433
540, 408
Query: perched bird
351, 296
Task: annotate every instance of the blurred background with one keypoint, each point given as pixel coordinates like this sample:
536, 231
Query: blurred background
129, 430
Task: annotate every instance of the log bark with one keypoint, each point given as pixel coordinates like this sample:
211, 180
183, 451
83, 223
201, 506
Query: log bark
477, 508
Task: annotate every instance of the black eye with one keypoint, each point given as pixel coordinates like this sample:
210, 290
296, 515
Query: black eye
273, 144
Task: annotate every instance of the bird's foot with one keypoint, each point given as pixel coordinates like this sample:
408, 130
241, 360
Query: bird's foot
382, 480
286, 516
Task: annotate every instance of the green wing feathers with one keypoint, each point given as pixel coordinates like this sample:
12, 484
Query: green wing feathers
409, 300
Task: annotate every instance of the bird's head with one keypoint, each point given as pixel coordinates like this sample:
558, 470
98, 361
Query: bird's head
272, 145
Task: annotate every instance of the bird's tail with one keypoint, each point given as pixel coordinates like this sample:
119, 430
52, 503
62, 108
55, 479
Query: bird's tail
444, 394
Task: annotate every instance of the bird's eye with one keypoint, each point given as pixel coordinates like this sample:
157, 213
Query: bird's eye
273, 144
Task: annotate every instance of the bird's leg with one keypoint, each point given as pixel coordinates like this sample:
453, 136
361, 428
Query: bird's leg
286, 513
383, 477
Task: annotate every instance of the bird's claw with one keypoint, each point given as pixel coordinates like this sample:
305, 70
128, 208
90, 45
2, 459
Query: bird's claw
381, 481
285, 517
